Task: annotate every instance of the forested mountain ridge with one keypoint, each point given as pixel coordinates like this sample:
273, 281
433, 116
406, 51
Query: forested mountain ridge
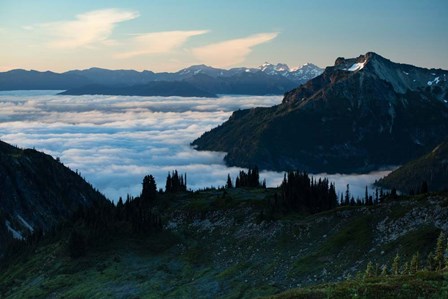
359, 115
37, 192
429, 171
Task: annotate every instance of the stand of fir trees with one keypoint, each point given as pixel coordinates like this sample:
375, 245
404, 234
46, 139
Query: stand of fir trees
301, 193
346, 199
437, 260
250, 179
175, 182
101, 222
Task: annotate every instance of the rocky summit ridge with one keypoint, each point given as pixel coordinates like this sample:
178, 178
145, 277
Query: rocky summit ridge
359, 115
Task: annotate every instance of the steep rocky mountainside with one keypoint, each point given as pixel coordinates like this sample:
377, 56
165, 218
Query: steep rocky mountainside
360, 114
431, 168
37, 192
218, 244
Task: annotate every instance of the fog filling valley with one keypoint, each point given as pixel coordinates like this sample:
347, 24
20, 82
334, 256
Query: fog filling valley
114, 141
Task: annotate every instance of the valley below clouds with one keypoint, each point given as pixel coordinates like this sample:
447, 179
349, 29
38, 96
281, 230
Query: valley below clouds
114, 141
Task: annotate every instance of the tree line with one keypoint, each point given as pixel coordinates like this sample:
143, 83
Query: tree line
437, 260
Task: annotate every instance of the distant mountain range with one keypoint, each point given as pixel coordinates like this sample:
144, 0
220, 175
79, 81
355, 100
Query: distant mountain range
431, 168
198, 80
358, 115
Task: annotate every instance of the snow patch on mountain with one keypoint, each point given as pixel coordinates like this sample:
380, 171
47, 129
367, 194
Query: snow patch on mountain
435, 81
356, 67
15, 234
25, 223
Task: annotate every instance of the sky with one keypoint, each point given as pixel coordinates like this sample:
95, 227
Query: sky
167, 35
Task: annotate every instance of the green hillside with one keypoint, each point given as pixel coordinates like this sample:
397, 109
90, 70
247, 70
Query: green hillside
224, 244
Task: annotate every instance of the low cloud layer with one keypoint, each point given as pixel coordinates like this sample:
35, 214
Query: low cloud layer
114, 141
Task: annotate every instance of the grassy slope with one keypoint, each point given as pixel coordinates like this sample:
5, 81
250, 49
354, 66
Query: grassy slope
217, 246
421, 285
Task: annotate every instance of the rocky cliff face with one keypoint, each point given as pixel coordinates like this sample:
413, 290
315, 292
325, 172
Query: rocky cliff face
360, 114
37, 192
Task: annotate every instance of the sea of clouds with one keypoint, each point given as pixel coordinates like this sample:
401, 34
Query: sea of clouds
114, 141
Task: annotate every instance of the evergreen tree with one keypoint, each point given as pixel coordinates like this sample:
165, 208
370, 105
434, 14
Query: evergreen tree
120, 203
370, 271
366, 196
352, 201
229, 183
168, 185
249, 179
302, 193
333, 197
347, 195
439, 256
405, 269
396, 265
237, 183
446, 254
149, 189
415, 263
430, 261
384, 270
175, 182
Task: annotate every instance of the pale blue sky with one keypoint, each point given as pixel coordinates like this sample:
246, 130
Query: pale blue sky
164, 35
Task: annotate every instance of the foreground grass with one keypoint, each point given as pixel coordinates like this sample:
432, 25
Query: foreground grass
219, 247
421, 285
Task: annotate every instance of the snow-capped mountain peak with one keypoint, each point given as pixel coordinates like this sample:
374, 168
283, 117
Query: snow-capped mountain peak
269, 67
298, 75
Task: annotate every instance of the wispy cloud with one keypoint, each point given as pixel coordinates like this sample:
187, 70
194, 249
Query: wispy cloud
88, 29
231, 52
158, 42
